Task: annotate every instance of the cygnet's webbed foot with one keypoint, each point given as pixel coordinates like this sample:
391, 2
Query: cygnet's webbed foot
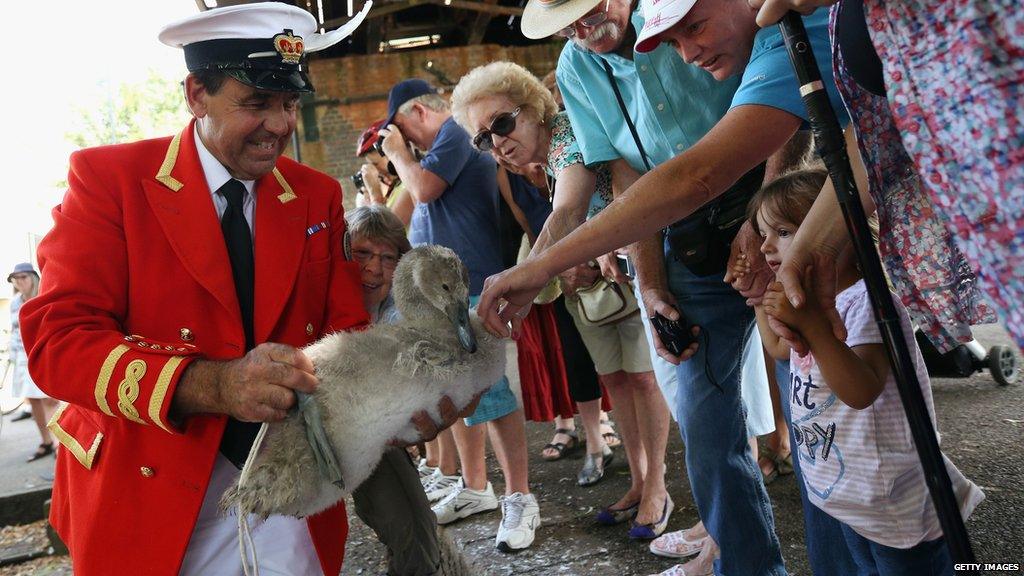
319, 443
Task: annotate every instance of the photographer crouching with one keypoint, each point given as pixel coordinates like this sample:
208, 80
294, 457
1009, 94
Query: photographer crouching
376, 180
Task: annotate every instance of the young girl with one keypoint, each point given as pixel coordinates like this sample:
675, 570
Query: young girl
855, 448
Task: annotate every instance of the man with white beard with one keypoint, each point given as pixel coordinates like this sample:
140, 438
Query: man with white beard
671, 105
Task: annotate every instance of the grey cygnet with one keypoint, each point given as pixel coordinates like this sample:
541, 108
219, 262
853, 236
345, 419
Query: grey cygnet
371, 384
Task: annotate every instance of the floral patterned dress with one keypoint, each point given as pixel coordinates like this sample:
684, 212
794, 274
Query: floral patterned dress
954, 72
919, 248
565, 152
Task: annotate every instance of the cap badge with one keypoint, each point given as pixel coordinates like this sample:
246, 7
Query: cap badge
289, 47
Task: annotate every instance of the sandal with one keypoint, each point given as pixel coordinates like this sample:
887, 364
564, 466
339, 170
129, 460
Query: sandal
593, 467
779, 466
611, 438
785, 464
766, 462
561, 448
654, 529
43, 451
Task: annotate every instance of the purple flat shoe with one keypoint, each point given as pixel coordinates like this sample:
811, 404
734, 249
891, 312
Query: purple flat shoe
652, 531
610, 517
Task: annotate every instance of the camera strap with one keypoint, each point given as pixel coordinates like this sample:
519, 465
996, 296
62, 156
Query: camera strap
712, 208
625, 114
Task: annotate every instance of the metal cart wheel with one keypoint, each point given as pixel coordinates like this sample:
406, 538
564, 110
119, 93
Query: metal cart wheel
1002, 363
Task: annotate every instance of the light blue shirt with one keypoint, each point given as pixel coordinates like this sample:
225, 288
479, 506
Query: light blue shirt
769, 78
672, 103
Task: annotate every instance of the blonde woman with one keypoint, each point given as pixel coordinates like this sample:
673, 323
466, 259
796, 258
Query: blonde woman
25, 280
514, 117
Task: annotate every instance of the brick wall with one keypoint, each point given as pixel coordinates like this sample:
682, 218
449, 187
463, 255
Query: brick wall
352, 93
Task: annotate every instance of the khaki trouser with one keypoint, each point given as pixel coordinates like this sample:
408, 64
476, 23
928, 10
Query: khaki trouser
392, 502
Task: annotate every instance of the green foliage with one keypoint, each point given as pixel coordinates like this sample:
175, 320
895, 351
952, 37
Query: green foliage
147, 109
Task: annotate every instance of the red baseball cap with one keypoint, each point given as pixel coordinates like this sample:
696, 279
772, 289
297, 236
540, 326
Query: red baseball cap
368, 138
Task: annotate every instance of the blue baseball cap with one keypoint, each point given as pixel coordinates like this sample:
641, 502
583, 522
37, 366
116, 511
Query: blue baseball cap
403, 92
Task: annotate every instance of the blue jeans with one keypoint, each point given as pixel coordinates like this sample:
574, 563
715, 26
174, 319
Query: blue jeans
873, 559
823, 534
724, 478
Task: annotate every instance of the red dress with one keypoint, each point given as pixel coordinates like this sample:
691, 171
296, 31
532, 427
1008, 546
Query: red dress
542, 369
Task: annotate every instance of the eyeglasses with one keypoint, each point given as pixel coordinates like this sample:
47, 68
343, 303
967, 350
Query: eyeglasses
502, 125
592, 21
20, 276
388, 260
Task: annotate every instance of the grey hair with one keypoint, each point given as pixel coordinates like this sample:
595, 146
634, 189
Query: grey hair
506, 79
377, 223
433, 101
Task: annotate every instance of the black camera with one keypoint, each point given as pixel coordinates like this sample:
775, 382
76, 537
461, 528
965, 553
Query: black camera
676, 335
357, 179
379, 147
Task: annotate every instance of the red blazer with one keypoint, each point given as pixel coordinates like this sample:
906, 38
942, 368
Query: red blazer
136, 284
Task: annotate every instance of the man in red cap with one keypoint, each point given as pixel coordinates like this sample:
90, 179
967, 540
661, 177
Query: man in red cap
377, 180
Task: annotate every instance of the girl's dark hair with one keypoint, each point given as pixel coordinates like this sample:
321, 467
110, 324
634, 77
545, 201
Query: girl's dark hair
789, 197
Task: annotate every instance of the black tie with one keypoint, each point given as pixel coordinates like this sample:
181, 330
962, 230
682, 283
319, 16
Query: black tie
239, 436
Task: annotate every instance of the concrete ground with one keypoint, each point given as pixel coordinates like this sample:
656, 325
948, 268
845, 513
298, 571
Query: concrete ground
18, 440
983, 433
982, 428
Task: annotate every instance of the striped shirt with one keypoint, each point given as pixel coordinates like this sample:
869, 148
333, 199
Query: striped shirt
860, 466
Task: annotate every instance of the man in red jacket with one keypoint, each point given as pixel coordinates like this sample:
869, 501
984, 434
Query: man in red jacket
180, 277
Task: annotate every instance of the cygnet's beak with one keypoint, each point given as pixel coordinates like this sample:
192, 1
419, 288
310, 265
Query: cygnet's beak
458, 313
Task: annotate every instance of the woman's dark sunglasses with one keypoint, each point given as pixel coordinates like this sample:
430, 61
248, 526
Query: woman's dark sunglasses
502, 125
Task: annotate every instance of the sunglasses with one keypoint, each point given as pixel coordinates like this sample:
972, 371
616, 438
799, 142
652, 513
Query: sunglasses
502, 125
591, 21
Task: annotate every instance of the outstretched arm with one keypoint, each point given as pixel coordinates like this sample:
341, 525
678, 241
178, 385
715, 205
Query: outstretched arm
744, 138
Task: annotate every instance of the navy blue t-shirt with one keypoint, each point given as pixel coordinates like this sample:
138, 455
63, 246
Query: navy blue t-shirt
534, 205
465, 217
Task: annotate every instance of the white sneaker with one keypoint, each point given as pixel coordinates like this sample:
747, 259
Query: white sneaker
438, 485
463, 502
520, 518
424, 470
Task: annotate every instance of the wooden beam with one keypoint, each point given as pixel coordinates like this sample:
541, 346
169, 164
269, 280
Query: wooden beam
479, 27
380, 10
482, 7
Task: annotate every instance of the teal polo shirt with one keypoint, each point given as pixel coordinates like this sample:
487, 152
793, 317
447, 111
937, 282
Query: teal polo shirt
672, 103
769, 78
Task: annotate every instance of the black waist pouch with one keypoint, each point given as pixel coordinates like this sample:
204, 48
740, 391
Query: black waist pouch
702, 241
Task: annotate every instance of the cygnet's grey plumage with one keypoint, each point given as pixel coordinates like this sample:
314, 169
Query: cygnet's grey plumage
371, 384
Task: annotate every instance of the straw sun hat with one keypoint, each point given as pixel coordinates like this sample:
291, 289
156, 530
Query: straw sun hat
543, 18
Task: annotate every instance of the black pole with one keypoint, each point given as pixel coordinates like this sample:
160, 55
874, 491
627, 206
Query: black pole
828, 138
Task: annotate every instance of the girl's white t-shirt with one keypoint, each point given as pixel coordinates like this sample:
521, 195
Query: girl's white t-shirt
860, 466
